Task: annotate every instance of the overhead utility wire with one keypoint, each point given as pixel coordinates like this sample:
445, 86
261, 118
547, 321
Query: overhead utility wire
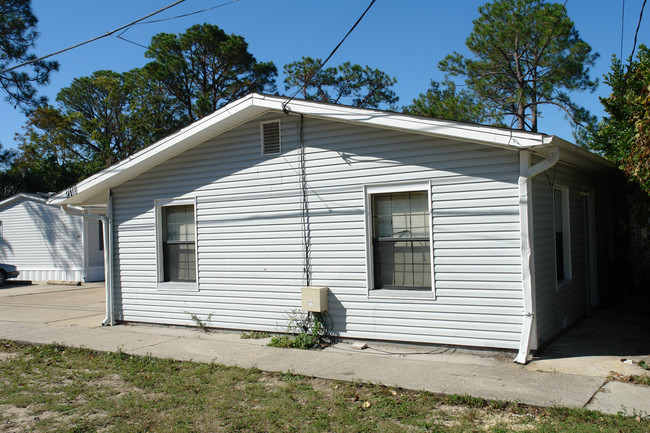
93, 39
167, 19
284, 104
622, 28
188, 14
636, 34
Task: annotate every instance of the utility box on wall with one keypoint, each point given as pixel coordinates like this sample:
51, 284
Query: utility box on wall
314, 299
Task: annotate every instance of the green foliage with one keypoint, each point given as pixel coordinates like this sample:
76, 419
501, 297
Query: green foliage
101, 120
624, 135
527, 54
205, 68
200, 323
254, 335
359, 86
443, 101
306, 331
17, 37
56, 388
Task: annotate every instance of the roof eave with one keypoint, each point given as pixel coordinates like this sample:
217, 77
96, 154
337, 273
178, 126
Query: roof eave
253, 105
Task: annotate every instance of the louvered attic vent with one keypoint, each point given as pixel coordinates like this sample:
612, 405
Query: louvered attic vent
270, 137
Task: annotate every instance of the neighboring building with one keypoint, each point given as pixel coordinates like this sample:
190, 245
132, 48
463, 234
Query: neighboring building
47, 244
424, 230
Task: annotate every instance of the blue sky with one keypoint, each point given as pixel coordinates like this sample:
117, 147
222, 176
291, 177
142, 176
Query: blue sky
406, 38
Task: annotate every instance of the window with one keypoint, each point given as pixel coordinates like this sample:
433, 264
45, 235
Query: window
271, 143
562, 235
400, 239
176, 240
101, 235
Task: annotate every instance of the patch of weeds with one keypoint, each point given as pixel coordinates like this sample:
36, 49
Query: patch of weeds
466, 400
200, 323
304, 331
254, 335
291, 376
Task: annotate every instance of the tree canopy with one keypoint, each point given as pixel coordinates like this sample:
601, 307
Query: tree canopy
624, 135
17, 38
101, 119
444, 101
356, 85
526, 54
205, 68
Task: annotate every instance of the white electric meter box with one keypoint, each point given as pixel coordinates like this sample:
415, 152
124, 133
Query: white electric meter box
314, 299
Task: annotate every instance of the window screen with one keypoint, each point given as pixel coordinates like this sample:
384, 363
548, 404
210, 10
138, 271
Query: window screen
401, 243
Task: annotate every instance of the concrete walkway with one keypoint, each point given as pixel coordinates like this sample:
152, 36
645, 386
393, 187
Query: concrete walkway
72, 316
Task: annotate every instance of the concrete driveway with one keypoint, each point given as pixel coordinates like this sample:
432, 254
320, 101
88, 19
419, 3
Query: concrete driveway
72, 316
58, 305
593, 348
597, 345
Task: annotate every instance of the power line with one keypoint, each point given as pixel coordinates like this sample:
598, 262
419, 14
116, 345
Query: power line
172, 18
622, 28
636, 34
284, 105
93, 39
189, 14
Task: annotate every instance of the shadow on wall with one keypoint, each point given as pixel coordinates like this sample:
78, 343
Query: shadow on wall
618, 329
60, 231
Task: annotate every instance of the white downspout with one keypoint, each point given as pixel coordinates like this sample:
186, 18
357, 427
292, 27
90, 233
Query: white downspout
108, 257
526, 173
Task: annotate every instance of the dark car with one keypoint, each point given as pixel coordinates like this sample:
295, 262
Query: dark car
7, 271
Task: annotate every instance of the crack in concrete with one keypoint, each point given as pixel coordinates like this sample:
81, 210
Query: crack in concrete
462, 378
602, 385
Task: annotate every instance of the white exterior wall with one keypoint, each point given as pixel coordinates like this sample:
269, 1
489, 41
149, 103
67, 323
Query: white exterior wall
559, 307
42, 241
94, 255
249, 246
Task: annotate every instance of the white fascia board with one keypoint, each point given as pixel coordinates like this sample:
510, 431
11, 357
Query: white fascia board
198, 132
254, 105
22, 196
404, 122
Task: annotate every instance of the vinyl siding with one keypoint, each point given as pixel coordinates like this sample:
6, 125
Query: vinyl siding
559, 307
42, 241
94, 256
249, 243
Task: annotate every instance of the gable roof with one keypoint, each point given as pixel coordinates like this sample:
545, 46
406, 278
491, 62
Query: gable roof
40, 197
93, 190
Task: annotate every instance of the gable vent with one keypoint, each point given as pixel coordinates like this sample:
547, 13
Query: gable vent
270, 137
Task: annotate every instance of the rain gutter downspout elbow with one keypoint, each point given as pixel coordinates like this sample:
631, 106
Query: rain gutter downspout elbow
526, 173
108, 262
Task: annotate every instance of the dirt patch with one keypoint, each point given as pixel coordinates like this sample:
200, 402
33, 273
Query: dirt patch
453, 416
4, 356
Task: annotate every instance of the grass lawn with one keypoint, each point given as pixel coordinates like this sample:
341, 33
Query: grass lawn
53, 388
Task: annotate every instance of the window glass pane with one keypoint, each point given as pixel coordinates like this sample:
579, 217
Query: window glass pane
179, 249
400, 263
557, 206
559, 236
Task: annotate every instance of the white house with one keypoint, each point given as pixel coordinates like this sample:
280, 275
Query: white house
47, 244
424, 230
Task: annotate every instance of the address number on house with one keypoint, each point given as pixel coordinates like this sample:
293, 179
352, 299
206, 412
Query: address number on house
71, 191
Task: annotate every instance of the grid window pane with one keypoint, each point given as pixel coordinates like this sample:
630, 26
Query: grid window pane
401, 254
179, 248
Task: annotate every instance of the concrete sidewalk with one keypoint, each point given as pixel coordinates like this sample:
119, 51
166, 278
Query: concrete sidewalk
72, 316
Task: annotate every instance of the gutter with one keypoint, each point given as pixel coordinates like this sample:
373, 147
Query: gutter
108, 252
526, 174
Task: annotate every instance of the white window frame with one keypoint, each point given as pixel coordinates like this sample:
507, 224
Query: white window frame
566, 236
159, 204
386, 188
279, 137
